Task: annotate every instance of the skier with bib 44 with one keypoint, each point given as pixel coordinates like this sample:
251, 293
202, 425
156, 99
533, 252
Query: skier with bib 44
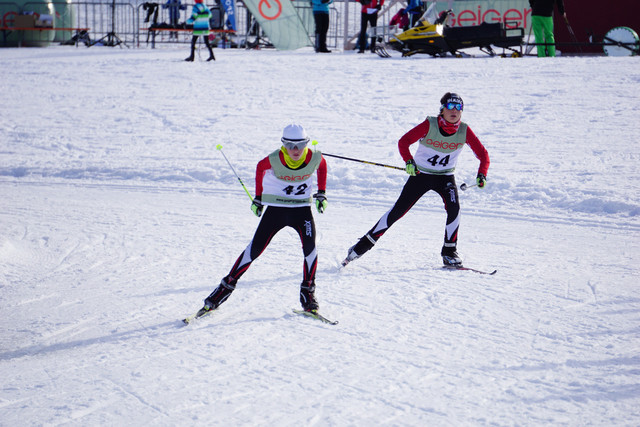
441, 140
284, 181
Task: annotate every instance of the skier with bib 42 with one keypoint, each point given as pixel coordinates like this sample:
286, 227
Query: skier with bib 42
284, 182
441, 139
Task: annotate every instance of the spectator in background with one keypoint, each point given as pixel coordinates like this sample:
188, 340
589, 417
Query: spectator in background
321, 19
415, 9
200, 19
174, 6
401, 19
368, 15
542, 24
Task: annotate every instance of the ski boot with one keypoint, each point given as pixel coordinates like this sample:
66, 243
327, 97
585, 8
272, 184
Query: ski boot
450, 257
220, 295
308, 298
365, 243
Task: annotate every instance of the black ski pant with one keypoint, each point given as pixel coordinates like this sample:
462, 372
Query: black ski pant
372, 20
414, 189
273, 220
194, 40
322, 26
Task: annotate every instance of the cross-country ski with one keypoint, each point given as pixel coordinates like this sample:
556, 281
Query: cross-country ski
461, 268
315, 315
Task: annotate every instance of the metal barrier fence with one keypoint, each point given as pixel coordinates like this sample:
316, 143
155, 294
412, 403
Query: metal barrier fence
117, 23
110, 23
247, 34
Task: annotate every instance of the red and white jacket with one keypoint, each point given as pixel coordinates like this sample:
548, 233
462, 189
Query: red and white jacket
278, 185
420, 131
369, 7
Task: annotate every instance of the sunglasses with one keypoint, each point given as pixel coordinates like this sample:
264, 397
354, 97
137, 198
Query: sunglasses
295, 145
452, 105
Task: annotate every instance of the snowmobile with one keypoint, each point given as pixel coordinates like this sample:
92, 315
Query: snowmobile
432, 36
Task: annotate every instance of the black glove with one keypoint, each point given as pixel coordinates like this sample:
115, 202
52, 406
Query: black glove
256, 206
480, 180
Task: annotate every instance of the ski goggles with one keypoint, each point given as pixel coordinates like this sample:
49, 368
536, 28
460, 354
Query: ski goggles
452, 105
295, 145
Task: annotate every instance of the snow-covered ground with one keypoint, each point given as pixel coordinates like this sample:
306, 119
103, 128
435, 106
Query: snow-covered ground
118, 216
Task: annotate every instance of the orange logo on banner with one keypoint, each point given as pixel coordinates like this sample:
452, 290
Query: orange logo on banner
270, 13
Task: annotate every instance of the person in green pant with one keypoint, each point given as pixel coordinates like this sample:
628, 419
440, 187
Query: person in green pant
542, 24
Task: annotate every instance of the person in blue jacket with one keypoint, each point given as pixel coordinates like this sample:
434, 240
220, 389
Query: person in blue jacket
200, 19
321, 18
415, 9
174, 6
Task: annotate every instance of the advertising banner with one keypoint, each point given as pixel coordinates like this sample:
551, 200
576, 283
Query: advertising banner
516, 13
230, 11
280, 21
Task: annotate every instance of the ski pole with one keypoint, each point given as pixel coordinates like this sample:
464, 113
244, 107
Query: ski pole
219, 148
529, 45
573, 35
364, 161
464, 186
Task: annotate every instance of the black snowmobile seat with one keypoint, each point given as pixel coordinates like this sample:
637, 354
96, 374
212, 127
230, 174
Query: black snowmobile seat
483, 36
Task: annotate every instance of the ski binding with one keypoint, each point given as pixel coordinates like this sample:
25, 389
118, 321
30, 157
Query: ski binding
197, 315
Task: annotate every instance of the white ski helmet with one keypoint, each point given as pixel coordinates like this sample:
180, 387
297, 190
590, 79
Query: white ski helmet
294, 133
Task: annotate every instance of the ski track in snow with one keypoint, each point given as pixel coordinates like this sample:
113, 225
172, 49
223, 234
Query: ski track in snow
118, 217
